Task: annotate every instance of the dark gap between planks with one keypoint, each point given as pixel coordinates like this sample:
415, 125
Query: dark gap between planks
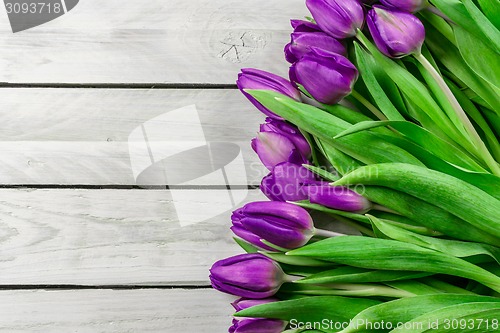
57, 287
120, 85
129, 187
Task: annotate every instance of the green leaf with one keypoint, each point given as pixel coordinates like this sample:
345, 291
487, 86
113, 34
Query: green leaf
320, 208
452, 247
491, 9
307, 262
482, 22
342, 163
414, 287
456, 10
414, 90
384, 254
469, 317
485, 181
466, 201
474, 113
364, 147
311, 309
371, 82
346, 289
422, 137
481, 59
247, 247
450, 57
405, 309
349, 274
322, 172
427, 214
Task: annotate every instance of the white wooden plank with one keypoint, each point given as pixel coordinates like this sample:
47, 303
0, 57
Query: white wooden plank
102, 137
108, 311
115, 237
162, 41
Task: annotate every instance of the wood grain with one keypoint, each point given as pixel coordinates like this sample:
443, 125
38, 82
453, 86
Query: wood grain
157, 41
89, 136
115, 237
113, 311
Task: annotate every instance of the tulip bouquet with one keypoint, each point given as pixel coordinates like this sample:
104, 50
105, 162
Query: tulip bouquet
389, 124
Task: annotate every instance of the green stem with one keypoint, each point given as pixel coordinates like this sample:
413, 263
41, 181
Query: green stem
449, 288
326, 233
439, 13
355, 290
474, 136
368, 105
355, 225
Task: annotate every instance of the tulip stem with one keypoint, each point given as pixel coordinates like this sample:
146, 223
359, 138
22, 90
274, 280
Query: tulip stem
327, 233
474, 136
366, 103
439, 13
292, 278
384, 209
355, 225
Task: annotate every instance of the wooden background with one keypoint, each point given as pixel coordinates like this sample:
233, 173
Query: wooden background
84, 247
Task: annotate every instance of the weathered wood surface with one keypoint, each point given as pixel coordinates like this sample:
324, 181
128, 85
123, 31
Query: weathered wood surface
113, 137
95, 136
115, 237
114, 311
158, 41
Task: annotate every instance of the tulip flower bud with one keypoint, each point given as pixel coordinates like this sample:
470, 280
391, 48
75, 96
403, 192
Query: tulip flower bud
245, 303
280, 223
406, 5
247, 275
395, 33
337, 197
279, 142
338, 18
273, 148
252, 325
304, 26
289, 131
286, 182
250, 78
257, 325
303, 41
327, 76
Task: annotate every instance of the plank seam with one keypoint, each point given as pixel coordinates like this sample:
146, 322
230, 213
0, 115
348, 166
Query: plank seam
128, 187
157, 86
98, 287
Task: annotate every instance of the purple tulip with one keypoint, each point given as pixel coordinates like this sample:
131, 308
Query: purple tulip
257, 325
406, 5
286, 182
245, 303
304, 26
247, 275
395, 33
280, 223
338, 18
250, 78
303, 41
279, 142
289, 131
250, 237
337, 197
327, 76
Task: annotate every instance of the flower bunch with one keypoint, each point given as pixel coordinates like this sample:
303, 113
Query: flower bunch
388, 125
